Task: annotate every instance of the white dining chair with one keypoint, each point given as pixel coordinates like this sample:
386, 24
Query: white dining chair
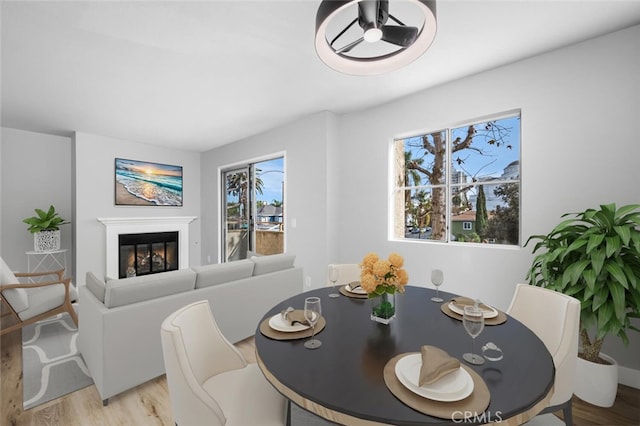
555, 318
209, 380
347, 272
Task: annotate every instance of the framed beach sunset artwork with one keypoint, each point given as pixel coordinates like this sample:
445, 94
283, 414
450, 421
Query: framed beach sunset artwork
142, 183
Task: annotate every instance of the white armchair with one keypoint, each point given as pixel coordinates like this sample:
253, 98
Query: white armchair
210, 382
555, 318
28, 303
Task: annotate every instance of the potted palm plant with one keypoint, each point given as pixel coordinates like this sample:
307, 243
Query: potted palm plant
594, 256
45, 229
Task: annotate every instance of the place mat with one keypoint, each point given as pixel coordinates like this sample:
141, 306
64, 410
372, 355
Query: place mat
474, 404
347, 293
500, 319
269, 332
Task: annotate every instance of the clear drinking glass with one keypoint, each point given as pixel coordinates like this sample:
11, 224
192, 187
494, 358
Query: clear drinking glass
333, 277
473, 320
312, 312
437, 278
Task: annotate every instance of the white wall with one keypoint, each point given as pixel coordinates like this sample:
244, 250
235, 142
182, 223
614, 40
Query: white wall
304, 144
579, 149
94, 195
35, 171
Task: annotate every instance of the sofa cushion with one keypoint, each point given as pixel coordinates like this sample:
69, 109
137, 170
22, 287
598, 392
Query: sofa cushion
16, 297
209, 275
273, 263
136, 289
96, 286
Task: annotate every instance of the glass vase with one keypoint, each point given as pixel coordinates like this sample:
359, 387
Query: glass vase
383, 308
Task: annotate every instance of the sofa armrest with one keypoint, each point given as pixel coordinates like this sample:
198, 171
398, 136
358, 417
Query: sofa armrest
91, 312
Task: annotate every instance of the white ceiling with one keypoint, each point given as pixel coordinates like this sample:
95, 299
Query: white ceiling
196, 75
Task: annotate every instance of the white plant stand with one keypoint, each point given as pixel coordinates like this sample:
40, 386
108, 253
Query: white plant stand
43, 261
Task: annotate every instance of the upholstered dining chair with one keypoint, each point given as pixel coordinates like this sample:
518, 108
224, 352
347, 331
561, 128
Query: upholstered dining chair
347, 272
31, 302
209, 380
555, 318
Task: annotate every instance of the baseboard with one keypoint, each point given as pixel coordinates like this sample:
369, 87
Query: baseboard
629, 377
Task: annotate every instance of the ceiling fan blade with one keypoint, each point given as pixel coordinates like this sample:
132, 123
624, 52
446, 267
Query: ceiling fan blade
368, 11
400, 36
350, 46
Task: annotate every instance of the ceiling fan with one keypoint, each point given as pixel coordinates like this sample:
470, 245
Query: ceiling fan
372, 18
361, 37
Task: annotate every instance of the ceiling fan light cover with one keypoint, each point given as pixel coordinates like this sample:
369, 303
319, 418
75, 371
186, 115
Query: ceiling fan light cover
328, 9
372, 35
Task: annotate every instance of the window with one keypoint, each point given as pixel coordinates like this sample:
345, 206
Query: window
460, 184
253, 209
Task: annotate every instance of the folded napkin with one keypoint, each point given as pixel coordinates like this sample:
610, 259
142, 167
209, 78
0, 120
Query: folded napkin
467, 301
294, 317
354, 284
436, 364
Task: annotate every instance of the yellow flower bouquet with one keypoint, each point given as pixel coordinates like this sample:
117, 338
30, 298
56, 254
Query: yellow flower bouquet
380, 276
381, 279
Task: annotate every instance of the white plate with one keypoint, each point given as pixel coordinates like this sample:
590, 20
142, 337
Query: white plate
487, 314
357, 290
452, 383
452, 387
280, 324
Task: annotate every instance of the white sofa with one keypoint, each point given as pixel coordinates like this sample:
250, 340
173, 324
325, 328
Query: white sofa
119, 320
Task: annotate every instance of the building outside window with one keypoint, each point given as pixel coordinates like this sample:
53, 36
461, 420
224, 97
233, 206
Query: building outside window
459, 184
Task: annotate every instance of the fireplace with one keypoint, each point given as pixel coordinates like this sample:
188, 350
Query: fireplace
147, 253
117, 226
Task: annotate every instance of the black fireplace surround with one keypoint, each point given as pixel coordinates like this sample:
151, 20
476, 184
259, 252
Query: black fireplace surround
147, 253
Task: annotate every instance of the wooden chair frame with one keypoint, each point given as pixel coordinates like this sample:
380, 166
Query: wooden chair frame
65, 307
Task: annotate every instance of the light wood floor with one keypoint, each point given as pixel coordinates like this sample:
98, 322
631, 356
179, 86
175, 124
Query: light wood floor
149, 404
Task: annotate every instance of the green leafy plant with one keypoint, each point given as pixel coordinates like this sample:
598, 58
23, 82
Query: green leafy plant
44, 221
594, 257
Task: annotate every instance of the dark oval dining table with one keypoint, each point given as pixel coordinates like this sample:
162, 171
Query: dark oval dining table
342, 381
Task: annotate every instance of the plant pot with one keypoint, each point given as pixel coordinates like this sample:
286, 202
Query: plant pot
45, 241
596, 383
383, 308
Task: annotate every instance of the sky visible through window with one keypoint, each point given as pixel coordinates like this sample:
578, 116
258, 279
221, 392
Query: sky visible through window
483, 159
495, 158
272, 174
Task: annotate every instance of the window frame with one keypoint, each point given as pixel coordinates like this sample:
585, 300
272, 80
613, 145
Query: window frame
448, 185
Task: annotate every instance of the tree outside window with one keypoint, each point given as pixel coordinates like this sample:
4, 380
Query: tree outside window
460, 184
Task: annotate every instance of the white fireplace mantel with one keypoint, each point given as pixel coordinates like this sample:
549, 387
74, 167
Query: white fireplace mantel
116, 226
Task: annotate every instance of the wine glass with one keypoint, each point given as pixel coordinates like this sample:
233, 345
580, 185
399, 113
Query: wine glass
333, 277
473, 320
312, 311
437, 278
